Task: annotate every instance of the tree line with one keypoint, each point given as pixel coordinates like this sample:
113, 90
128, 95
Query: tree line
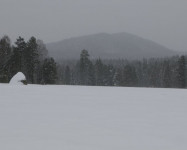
154, 72
32, 59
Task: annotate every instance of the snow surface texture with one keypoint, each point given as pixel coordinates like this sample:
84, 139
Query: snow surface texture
37, 117
16, 79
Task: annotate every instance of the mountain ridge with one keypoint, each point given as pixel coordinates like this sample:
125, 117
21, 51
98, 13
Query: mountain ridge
117, 45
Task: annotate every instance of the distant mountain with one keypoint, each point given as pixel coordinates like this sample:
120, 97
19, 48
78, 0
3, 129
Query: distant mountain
119, 45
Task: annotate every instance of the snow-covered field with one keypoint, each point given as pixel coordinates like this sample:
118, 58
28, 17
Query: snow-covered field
37, 117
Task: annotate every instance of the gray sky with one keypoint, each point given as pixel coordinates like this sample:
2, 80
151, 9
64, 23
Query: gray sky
163, 21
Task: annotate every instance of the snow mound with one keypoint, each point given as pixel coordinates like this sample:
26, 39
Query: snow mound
18, 79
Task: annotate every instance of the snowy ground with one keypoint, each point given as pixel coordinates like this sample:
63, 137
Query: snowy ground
92, 118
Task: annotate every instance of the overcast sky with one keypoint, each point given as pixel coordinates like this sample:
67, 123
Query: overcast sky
163, 21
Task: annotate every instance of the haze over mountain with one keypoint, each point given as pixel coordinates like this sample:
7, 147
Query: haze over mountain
103, 45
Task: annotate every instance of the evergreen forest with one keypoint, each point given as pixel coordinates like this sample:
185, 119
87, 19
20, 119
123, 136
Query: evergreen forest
31, 57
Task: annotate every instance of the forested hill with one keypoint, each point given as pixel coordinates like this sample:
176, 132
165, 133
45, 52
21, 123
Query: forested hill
119, 45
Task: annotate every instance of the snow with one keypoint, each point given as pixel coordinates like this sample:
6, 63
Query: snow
16, 79
38, 117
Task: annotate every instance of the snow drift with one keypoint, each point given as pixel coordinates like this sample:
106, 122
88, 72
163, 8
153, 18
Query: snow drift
18, 79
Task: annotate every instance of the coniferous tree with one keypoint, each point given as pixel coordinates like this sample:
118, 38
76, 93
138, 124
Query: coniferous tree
140, 73
91, 74
167, 75
145, 76
109, 73
181, 72
32, 60
129, 76
42, 54
85, 69
99, 72
118, 77
153, 73
5, 54
42, 50
18, 55
67, 76
49, 71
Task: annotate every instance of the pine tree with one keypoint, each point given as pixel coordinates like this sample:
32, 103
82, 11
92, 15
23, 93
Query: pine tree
49, 71
67, 76
85, 69
129, 76
91, 74
32, 60
118, 78
181, 72
5, 53
18, 55
109, 72
167, 75
42, 54
42, 50
99, 72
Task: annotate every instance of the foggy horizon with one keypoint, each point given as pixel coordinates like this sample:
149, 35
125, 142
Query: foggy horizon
163, 22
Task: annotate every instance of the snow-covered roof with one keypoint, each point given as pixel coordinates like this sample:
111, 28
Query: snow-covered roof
16, 79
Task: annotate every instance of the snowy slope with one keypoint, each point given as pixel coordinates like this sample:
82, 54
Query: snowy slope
37, 117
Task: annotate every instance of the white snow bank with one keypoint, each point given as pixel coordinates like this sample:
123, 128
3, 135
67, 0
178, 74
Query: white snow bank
16, 79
